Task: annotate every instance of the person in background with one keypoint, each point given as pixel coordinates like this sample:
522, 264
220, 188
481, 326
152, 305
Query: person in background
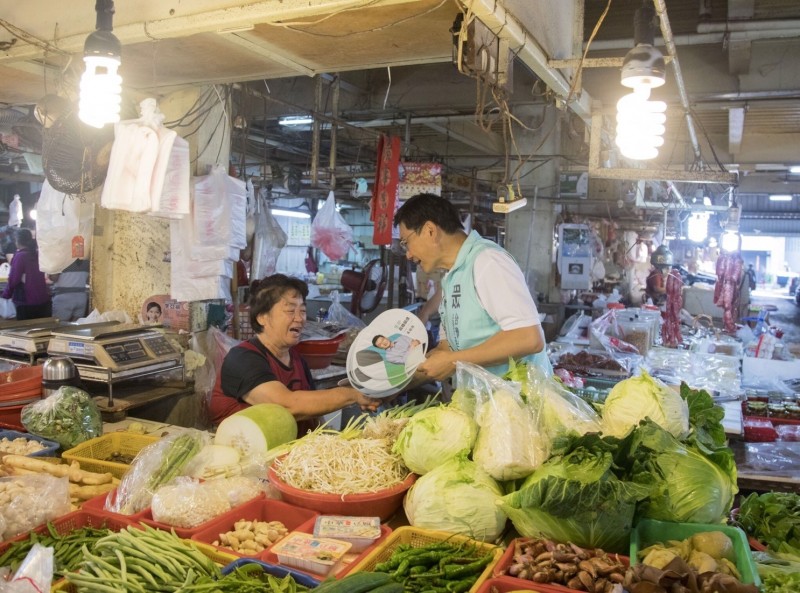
656, 285
27, 286
488, 314
751, 276
268, 369
70, 291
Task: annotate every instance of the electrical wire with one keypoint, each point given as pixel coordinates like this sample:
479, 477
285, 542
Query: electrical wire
578, 71
295, 26
30, 38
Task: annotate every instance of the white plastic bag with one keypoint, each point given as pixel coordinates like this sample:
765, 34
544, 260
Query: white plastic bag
130, 170
15, 211
330, 232
64, 229
7, 309
269, 240
35, 574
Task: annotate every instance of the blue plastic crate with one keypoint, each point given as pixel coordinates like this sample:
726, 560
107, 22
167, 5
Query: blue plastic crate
50, 447
275, 570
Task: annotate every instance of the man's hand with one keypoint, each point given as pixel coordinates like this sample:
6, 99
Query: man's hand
439, 365
368, 404
415, 343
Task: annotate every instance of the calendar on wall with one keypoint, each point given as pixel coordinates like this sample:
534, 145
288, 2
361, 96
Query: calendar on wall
299, 232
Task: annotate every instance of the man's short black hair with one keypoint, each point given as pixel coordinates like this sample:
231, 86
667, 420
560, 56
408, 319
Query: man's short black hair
421, 208
376, 338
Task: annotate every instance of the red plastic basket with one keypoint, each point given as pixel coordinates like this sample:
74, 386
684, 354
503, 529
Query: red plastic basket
72, 521
507, 559
98, 503
382, 503
507, 584
188, 532
260, 509
319, 354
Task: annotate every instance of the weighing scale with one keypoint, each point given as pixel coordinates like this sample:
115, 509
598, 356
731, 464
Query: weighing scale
24, 341
109, 354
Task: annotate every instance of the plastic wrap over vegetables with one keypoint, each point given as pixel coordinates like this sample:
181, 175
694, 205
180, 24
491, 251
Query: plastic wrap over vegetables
559, 410
458, 497
434, 436
510, 444
155, 466
69, 417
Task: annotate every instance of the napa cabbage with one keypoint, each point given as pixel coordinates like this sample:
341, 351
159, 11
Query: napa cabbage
558, 410
685, 485
637, 398
457, 497
576, 496
434, 436
510, 444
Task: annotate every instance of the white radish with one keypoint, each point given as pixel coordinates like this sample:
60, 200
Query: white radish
256, 429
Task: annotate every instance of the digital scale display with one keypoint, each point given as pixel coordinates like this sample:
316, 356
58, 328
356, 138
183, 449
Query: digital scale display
129, 351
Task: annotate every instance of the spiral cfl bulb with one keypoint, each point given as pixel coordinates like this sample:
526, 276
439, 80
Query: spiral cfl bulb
640, 125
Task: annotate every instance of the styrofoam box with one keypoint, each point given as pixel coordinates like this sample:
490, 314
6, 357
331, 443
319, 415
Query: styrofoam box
360, 532
319, 555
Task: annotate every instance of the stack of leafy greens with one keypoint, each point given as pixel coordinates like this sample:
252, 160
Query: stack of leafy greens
779, 572
577, 496
774, 519
690, 481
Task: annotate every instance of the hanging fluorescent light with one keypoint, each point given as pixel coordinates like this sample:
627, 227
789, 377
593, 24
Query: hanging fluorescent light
729, 241
296, 120
290, 213
780, 197
101, 86
640, 122
698, 227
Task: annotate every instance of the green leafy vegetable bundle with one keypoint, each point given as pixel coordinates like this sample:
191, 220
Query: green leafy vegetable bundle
773, 518
69, 417
576, 496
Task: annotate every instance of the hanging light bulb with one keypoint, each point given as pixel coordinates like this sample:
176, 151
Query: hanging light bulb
698, 227
729, 241
101, 86
640, 122
640, 125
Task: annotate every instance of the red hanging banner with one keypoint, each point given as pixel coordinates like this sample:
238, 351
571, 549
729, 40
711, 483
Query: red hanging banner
384, 191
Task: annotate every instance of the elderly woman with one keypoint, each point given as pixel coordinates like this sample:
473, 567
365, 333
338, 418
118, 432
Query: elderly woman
26, 286
267, 369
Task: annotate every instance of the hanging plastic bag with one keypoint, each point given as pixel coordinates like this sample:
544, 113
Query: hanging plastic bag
339, 315
64, 226
7, 309
268, 241
330, 232
15, 211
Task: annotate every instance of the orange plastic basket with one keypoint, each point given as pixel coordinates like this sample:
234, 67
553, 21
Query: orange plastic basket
417, 538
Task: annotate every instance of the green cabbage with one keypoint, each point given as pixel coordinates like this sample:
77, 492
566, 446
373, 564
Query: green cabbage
637, 398
457, 497
685, 485
510, 444
433, 436
576, 497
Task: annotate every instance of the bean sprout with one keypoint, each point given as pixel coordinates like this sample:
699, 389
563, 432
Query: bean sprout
330, 464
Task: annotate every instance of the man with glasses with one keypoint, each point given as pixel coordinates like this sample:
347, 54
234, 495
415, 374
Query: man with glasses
488, 313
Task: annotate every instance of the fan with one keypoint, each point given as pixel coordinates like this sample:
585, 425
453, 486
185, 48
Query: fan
367, 286
75, 156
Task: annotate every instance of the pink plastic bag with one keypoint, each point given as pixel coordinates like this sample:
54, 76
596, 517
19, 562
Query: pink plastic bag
330, 232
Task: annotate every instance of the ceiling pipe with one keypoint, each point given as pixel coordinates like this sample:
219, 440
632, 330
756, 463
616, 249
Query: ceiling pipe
752, 26
669, 42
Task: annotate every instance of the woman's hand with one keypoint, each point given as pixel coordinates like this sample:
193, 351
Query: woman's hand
367, 404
